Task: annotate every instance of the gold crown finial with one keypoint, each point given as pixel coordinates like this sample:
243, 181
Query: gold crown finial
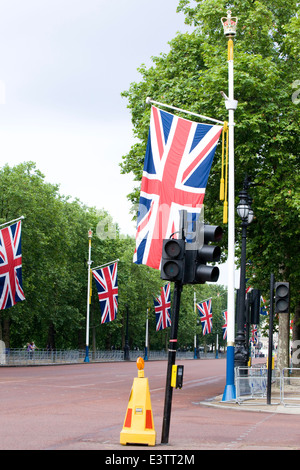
229, 24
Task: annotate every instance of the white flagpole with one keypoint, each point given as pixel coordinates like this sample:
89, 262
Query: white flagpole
195, 335
229, 393
87, 359
149, 101
147, 336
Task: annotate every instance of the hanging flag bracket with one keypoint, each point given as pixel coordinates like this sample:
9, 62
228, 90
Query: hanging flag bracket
149, 101
11, 221
106, 264
229, 103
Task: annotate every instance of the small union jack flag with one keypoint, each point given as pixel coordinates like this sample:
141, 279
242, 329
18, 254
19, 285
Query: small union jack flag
224, 327
205, 312
263, 308
107, 286
253, 338
162, 306
177, 163
11, 289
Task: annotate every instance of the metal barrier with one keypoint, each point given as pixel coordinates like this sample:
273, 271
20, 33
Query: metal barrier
251, 382
21, 357
2, 353
15, 357
290, 387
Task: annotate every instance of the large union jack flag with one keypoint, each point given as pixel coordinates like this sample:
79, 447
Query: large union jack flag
11, 289
178, 159
162, 306
205, 312
107, 286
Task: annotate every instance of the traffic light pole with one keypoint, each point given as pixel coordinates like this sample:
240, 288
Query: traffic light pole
270, 346
183, 263
171, 361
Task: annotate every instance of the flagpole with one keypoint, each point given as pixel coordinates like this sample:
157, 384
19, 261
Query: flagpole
229, 393
87, 359
146, 338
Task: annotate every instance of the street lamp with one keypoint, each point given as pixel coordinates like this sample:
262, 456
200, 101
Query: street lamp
246, 214
86, 359
229, 25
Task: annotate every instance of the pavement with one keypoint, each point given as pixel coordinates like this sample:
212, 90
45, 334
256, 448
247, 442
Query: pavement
83, 406
258, 404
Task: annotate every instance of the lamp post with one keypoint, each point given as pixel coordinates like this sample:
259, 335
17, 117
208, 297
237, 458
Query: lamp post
229, 25
86, 359
126, 346
246, 214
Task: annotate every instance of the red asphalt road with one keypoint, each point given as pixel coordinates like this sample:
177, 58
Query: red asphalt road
83, 406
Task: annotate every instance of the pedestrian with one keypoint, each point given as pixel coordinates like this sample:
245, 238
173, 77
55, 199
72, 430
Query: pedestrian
30, 350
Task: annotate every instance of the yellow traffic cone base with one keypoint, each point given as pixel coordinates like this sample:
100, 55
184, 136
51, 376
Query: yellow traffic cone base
138, 425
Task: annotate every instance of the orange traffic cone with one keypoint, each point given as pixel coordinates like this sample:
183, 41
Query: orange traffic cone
138, 425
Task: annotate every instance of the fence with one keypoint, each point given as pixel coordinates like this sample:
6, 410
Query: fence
15, 357
251, 384
290, 387
18, 357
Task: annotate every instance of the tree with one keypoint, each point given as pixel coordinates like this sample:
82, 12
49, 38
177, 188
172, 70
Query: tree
191, 76
54, 259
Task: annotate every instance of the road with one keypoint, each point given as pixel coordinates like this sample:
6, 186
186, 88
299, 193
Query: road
83, 406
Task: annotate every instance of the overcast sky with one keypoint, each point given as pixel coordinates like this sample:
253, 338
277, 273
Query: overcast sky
63, 66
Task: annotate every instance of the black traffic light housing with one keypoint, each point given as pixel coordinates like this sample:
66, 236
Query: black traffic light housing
254, 306
173, 259
196, 270
282, 297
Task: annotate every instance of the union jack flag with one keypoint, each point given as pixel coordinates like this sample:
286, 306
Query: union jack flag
177, 163
205, 312
224, 327
162, 306
253, 338
263, 308
107, 287
11, 289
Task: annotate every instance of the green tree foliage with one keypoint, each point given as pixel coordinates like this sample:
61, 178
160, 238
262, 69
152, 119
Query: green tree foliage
55, 273
54, 235
266, 63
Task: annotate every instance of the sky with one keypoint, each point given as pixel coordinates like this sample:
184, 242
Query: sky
63, 66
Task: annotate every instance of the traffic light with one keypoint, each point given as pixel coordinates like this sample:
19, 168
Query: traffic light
282, 297
173, 257
254, 306
196, 270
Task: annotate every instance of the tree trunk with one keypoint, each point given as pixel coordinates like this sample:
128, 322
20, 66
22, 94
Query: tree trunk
296, 338
283, 341
51, 336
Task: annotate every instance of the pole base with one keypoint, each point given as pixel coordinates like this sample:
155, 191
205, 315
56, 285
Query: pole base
229, 393
86, 359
